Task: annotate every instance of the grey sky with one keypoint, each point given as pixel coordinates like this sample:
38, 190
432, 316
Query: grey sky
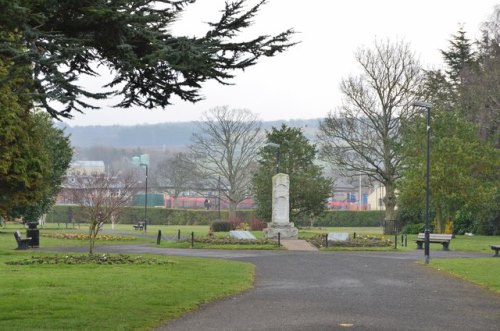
303, 82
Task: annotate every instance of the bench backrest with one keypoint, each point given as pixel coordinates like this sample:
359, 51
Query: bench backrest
438, 236
17, 234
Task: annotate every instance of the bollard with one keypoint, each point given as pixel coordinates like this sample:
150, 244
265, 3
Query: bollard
354, 235
279, 239
406, 240
178, 235
402, 239
395, 241
326, 240
192, 239
158, 239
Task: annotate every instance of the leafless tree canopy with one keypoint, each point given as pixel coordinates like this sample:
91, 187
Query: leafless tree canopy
102, 198
177, 173
226, 145
361, 137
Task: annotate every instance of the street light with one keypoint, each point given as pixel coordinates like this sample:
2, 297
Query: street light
277, 146
428, 106
145, 199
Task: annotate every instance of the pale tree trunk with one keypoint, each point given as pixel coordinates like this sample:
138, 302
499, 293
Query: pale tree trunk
232, 209
390, 209
113, 221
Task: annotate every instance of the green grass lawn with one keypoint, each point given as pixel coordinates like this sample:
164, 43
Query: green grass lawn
482, 271
108, 297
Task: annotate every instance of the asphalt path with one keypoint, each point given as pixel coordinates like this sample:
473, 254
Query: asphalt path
339, 291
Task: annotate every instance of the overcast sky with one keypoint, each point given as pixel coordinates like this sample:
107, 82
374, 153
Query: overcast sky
304, 81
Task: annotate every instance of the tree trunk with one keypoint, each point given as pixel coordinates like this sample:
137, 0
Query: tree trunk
232, 209
439, 221
91, 240
390, 209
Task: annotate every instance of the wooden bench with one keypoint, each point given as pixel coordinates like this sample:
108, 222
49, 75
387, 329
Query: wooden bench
139, 226
496, 248
22, 243
435, 238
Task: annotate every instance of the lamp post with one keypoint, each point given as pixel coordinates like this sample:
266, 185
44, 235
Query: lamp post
428, 107
145, 199
277, 146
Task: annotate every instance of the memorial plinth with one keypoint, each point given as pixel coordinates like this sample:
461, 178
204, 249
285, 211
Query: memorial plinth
281, 209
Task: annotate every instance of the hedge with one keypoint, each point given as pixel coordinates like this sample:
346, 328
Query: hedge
156, 216
343, 218
164, 216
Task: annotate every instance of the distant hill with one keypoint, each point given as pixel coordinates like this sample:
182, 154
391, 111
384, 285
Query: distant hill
164, 135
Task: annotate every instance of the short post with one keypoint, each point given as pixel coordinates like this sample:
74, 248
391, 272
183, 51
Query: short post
395, 240
279, 239
178, 234
326, 240
192, 239
402, 239
354, 235
406, 240
158, 239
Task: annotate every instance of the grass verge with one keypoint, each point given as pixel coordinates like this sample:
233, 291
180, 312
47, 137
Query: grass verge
481, 271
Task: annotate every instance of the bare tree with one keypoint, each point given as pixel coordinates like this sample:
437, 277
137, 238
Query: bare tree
362, 137
176, 174
102, 198
226, 146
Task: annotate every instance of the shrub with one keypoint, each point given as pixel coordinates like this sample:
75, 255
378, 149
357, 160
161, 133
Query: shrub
220, 226
156, 216
237, 224
343, 218
413, 228
257, 225
463, 222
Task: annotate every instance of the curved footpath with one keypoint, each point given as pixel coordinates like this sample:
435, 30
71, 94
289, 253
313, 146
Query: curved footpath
338, 291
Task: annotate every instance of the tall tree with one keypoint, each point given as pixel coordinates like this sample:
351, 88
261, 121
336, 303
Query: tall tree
309, 189
480, 93
63, 40
463, 169
23, 161
459, 57
363, 135
57, 148
226, 146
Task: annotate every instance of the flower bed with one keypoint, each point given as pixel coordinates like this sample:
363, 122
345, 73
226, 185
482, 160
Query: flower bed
360, 241
231, 241
81, 236
89, 259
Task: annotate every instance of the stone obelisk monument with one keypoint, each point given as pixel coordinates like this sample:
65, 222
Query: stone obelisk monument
281, 206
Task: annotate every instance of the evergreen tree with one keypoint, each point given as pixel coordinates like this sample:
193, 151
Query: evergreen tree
57, 149
459, 57
309, 190
62, 40
22, 159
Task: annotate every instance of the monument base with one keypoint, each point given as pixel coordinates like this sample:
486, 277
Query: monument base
286, 231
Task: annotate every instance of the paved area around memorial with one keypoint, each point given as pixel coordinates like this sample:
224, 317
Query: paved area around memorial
297, 290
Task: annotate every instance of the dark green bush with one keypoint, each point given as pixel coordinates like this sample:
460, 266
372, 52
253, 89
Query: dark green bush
220, 226
413, 228
343, 218
463, 222
156, 216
